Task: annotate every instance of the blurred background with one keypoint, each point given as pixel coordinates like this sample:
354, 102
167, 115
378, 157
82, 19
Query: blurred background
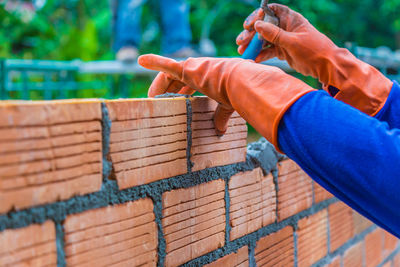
53, 49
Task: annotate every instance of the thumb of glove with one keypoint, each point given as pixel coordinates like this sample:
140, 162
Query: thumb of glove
271, 32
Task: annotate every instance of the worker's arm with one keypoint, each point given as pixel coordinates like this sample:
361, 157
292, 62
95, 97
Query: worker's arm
310, 52
354, 156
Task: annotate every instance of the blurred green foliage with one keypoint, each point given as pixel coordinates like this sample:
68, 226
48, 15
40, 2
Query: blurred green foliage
69, 29
82, 29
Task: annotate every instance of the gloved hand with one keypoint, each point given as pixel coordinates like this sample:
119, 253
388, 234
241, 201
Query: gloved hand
260, 94
311, 53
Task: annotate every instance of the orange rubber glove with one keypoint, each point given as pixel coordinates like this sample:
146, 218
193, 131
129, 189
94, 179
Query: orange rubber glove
260, 94
311, 53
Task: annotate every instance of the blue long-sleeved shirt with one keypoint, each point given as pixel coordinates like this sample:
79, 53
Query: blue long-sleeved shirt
354, 156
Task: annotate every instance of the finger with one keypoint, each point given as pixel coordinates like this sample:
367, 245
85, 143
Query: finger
187, 91
175, 86
160, 84
163, 64
285, 14
266, 55
271, 32
221, 119
257, 14
245, 37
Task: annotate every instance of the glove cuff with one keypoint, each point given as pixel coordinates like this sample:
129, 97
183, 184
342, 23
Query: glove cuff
356, 82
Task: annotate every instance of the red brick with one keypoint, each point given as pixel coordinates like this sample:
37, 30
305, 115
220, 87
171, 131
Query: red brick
340, 224
34, 245
396, 260
49, 151
287, 166
219, 158
253, 202
237, 259
32, 113
125, 233
208, 149
132, 109
312, 238
360, 223
334, 262
373, 248
276, 249
193, 221
390, 243
354, 255
294, 191
148, 139
35, 195
320, 194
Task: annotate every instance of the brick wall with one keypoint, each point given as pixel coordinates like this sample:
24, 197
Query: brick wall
146, 182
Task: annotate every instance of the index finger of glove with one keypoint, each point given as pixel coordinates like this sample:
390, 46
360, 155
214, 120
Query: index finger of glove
257, 14
164, 64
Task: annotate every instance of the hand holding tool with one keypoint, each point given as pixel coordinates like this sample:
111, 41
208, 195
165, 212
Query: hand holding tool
257, 43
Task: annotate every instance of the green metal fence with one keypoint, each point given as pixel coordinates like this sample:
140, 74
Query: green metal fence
40, 79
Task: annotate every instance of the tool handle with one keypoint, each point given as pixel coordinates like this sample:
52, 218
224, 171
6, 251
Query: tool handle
254, 48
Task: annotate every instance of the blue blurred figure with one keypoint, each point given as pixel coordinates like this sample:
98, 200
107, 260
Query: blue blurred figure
175, 27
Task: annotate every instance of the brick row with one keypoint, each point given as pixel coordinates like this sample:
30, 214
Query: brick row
34, 245
148, 139
354, 255
294, 190
341, 226
49, 150
237, 259
193, 221
276, 249
208, 149
312, 238
253, 202
125, 233
320, 194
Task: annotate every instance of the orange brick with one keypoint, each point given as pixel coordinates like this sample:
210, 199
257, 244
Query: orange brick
396, 260
340, 224
287, 166
193, 221
132, 109
334, 262
390, 243
320, 193
312, 238
276, 249
294, 192
360, 223
253, 202
237, 259
49, 151
373, 248
34, 245
123, 234
148, 139
32, 113
354, 255
208, 149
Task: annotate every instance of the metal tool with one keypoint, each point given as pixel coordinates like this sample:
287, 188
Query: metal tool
257, 43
